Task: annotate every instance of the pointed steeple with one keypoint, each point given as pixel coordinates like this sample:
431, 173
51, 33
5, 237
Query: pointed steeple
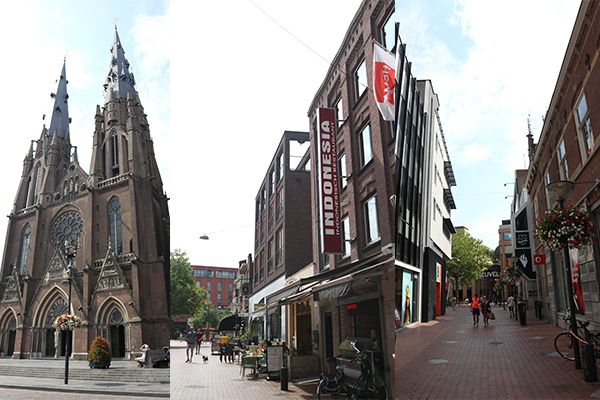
119, 81
59, 122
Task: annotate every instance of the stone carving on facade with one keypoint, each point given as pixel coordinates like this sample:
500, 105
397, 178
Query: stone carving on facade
57, 268
11, 289
111, 275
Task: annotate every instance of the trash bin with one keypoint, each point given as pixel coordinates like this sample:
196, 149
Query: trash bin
522, 311
538, 309
284, 379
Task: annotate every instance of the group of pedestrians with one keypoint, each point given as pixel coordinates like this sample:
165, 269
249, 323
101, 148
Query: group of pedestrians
194, 343
482, 306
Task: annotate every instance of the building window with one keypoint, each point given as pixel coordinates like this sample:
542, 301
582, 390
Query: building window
25, 239
279, 244
281, 166
388, 32
435, 207
342, 170
339, 112
506, 236
563, 166
366, 152
272, 182
346, 236
360, 79
219, 287
371, 225
116, 229
270, 256
584, 127
208, 288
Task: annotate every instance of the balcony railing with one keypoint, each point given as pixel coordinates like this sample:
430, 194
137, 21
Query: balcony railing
113, 181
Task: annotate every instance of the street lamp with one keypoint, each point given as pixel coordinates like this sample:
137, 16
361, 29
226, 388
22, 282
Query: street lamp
558, 192
70, 252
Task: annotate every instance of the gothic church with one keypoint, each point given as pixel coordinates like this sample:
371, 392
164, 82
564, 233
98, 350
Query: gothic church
116, 218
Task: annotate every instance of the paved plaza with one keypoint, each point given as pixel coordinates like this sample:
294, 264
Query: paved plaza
451, 359
30, 378
216, 380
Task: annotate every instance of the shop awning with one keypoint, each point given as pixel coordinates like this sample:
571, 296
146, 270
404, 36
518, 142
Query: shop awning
232, 323
274, 298
333, 289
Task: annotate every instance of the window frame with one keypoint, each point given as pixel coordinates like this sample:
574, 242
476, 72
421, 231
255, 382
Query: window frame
563, 163
583, 124
368, 220
384, 34
357, 81
361, 145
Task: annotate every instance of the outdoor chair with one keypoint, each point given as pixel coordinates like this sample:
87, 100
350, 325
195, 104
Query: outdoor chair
249, 363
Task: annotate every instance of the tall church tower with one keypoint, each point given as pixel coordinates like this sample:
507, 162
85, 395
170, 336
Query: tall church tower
116, 217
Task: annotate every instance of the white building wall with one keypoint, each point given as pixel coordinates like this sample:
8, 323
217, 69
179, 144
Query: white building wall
435, 180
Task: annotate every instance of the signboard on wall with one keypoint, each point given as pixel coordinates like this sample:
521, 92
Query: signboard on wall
329, 198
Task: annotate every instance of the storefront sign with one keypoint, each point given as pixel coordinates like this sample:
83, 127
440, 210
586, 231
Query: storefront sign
331, 234
539, 259
438, 272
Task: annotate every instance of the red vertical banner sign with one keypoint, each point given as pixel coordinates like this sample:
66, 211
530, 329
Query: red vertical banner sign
329, 192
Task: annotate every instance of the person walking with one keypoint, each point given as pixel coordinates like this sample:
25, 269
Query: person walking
486, 309
510, 303
191, 343
198, 341
475, 309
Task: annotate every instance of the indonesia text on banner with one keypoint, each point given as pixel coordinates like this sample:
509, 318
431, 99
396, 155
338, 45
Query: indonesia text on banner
384, 81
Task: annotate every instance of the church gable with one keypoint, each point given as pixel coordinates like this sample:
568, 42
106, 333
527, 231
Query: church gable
57, 268
111, 274
74, 183
12, 289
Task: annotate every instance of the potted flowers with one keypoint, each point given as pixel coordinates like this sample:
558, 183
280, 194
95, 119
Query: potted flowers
99, 353
67, 322
564, 228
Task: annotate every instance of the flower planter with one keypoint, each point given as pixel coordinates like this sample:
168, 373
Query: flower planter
99, 365
564, 228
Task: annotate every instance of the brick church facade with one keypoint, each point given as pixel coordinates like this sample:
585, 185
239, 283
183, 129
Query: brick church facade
116, 217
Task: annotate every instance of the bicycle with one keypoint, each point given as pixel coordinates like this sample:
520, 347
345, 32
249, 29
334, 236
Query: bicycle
363, 388
564, 341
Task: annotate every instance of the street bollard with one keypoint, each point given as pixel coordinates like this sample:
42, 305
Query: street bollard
522, 311
590, 374
284, 378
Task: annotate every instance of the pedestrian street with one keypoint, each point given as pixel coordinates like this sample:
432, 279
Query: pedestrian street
220, 380
450, 358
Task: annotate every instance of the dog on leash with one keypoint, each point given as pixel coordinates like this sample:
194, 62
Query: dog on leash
205, 359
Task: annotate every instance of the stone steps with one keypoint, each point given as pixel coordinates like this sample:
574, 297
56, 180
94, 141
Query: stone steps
129, 375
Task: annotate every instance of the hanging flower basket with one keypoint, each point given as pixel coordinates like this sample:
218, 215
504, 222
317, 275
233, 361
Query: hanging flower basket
67, 322
565, 228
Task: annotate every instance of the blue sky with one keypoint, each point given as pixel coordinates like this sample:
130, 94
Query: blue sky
220, 82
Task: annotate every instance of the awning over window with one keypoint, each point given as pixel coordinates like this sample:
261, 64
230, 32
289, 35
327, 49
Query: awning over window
449, 225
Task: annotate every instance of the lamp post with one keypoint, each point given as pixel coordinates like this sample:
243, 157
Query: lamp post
559, 191
70, 252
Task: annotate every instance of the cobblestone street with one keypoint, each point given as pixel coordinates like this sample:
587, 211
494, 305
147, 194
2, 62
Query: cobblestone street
216, 380
451, 359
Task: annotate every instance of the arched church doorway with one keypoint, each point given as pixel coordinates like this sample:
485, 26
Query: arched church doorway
117, 334
55, 340
113, 324
8, 335
46, 341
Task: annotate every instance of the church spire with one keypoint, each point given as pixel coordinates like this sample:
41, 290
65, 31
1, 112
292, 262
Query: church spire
119, 81
59, 122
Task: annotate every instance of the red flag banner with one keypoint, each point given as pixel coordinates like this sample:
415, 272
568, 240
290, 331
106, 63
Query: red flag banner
331, 234
384, 81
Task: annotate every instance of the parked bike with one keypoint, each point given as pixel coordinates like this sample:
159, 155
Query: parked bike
363, 388
564, 341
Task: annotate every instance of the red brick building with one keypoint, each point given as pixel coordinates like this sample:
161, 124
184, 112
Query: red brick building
568, 150
219, 281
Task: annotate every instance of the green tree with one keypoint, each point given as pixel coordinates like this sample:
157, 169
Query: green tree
208, 315
186, 296
470, 257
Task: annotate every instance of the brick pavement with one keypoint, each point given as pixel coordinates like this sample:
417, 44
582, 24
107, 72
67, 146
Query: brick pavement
451, 359
217, 380
23, 394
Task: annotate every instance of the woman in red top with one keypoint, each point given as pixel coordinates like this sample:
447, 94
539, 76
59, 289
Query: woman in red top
475, 310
